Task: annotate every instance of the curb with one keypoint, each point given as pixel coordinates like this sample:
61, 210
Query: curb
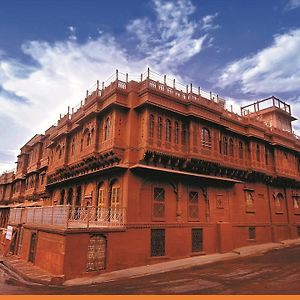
179, 264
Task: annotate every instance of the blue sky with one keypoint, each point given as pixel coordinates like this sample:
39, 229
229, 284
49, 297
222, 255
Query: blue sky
52, 51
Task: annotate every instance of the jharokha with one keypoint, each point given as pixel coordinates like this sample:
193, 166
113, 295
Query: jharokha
146, 170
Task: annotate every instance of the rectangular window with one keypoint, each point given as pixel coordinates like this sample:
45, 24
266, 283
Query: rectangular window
193, 205
298, 230
249, 200
220, 201
159, 203
20, 241
197, 239
157, 242
252, 233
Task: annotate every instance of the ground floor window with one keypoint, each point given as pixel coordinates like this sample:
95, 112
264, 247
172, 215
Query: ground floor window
32, 247
252, 233
20, 241
157, 242
96, 256
197, 239
298, 230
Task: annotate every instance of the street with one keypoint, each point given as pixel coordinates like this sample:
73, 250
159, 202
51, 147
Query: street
276, 272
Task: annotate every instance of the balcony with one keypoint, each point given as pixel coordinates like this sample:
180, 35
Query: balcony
68, 217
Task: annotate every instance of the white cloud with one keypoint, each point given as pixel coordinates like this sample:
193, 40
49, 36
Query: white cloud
72, 31
208, 22
62, 71
275, 69
172, 38
293, 4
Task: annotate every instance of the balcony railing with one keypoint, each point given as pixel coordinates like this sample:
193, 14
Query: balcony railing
65, 216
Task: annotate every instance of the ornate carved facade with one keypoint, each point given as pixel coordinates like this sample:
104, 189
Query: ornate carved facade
146, 170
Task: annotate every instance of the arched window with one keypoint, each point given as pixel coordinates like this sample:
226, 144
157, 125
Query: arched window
205, 138
115, 194
59, 151
151, 126
225, 145
88, 139
107, 129
278, 201
168, 130
231, 149
176, 132
183, 133
73, 146
78, 196
257, 152
62, 197
241, 150
100, 195
266, 156
70, 196
159, 128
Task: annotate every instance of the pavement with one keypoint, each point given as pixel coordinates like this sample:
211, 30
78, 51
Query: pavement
34, 275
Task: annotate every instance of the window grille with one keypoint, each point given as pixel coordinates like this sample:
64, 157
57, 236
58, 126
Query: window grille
298, 230
252, 233
176, 132
96, 254
151, 126
159, 128
159, 203
231, 147
183, 134
241, 150
257, 152
225, 146
157, 242
197, 239
168, 130
205, 138
220, 201
193, 205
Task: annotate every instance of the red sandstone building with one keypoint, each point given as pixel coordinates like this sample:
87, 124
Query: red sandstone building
147, 170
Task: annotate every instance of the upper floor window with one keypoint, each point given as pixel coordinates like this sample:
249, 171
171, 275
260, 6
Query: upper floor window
241, 150
107, 129
62, 197
158, 202
168, 130
266, 156
183, 133
88, 139
278, 201
59, 151
193, 209
205, 138
225, 145
70, 196
151, 126
249, 200
176, 132
257, 152
73, 146
159, 128
231, 147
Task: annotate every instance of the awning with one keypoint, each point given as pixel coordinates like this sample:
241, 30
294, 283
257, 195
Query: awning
151, 168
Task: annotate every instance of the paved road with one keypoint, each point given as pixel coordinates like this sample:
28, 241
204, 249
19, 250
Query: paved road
277, 272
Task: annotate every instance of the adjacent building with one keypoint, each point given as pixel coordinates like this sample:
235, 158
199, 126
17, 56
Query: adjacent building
147, 170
